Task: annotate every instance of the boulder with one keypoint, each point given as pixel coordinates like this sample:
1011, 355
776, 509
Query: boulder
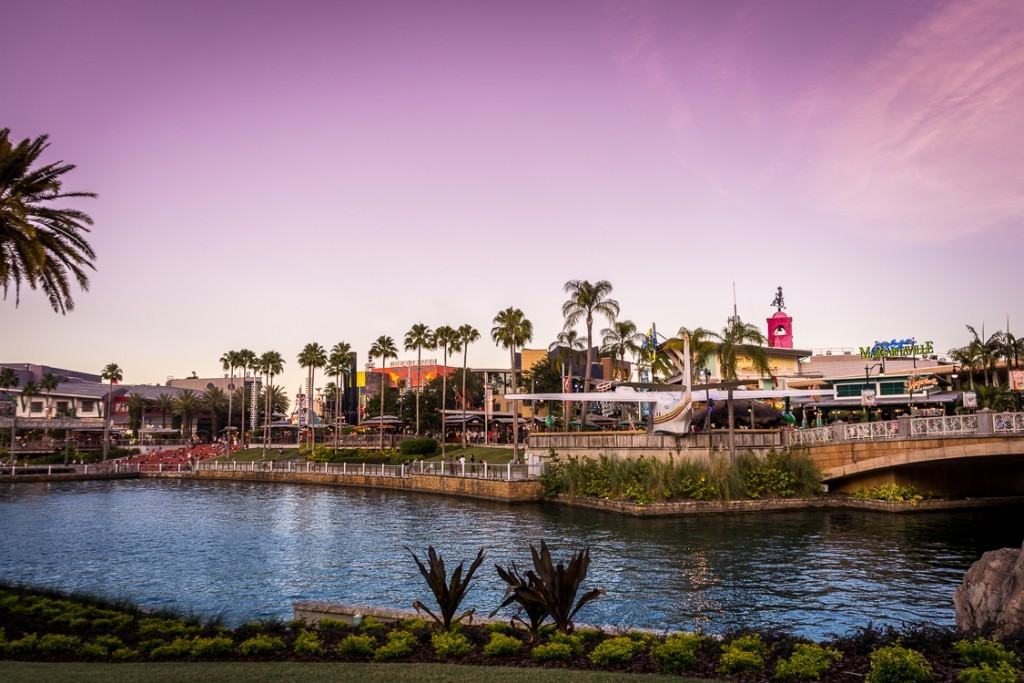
991, 597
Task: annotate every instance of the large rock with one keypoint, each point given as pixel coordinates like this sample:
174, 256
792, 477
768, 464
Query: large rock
991, 598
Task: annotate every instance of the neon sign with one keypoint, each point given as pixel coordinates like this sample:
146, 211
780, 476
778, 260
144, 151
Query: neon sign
897, 348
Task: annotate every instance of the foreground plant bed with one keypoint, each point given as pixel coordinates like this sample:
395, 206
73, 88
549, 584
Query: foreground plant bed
49, 627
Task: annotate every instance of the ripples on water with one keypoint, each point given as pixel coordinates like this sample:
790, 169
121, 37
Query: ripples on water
247, 551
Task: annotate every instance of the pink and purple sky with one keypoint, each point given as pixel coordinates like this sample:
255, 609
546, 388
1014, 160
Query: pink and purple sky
273, 173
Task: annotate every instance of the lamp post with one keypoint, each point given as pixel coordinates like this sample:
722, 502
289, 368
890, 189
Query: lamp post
867, 380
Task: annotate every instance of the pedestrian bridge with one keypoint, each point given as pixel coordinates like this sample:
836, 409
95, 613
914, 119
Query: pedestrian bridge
963, 455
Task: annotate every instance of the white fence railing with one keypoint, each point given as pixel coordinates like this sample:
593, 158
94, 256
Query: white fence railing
504, 472
978, 424
812, 437
1007, 422
950, 425
888, 429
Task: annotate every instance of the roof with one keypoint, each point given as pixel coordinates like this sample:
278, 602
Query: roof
854, 402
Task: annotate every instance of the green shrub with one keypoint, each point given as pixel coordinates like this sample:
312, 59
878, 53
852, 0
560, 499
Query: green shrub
574, 642
150, 644
400, 644
984, 651
615, 651
417, 626
450, 644
212, 648
418, 446
178, 648
1003, 672
109, 642
92, 651
55, 644
165, 628
891, 493
125, 654
589, 636
115, 624
22, 647
260, 646
332, 628
678, 653
499, 627
373, 627
552, 652
897, 664
501, 645
356, 647
743, 654
809, 661
307, 644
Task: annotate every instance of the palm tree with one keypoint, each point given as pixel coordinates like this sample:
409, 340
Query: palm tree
567, 346
739, 338
48, 385
621, 338
272, 363
419, 337
988, 351
41, 245
9, 380
383, 348
187, 403
337, 365
213, 401
467, 335
165, 404
229, 360
312, 357
701, 348
448, 340
112, 373
1013, 348
136, 410
511, 330
278, 399
586, 299
245, 360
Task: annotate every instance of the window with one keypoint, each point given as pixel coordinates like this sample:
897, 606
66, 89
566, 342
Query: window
88, 406
36, 407
851, 390
892, 388
62, 405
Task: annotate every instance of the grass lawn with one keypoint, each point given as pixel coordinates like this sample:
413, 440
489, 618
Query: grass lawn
257, 672
492, 456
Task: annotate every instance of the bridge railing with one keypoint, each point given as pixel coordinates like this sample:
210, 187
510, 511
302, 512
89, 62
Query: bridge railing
500, 472
982, 423
888, 429
814, 436
1003, 423
949, 425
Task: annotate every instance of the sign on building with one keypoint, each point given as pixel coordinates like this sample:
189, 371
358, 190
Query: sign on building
897, 348
489, 402
970, 399
867, 398
1017, 380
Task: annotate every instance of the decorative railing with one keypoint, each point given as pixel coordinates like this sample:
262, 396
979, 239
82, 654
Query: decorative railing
716, 439
1003, 423
503, 472
950, 425
811, 437
889, 429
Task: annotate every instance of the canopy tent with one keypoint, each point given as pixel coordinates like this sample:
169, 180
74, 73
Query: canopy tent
765, 416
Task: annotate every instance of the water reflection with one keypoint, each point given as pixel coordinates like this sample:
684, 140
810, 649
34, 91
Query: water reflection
248, 550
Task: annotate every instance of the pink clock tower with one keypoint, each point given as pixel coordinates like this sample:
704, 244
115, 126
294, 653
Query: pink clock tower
780, 325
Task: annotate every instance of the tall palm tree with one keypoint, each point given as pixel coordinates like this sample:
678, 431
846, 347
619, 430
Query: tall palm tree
213, 401
112, 373
136, 410
419, 337
229, 360
9, 380
467, 335
988, 351
187, 403
41, 245
165, 404
567, 346
739, 338
1013, 349
313, 356
586, 299
702, 346
245, 360
511, 330
621, 338
383, 348
448, 340
337, 365
278, 399
48, 385
272, 364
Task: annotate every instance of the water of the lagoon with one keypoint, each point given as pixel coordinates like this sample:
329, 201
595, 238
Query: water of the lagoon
247, 551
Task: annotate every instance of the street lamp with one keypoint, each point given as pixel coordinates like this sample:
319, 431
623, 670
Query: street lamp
867, 379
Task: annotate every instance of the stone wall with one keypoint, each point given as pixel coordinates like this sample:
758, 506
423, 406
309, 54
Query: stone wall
487, 489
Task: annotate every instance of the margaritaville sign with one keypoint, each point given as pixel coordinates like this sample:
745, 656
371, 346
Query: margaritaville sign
897, 348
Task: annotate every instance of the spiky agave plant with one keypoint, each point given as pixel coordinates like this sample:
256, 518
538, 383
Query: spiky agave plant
552, 588
448, 593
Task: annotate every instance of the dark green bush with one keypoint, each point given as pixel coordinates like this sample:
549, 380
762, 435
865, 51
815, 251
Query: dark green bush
179, 648
897, 664
417, 626
501, 645
92, 651
22, 647
678, 652
56, 644
373, 627
809, 661
984, 651
356, 647
744, 654
552, 652
419, 446
125, 654
615, 651
574, 642
400, 645
332, 628
450, 644
261, 646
